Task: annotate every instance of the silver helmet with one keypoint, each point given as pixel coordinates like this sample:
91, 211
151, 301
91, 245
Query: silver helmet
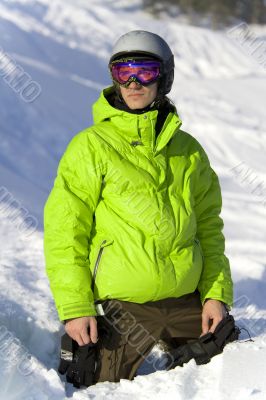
142, 43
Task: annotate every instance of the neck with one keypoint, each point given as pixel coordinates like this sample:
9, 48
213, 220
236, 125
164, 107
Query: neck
119, 103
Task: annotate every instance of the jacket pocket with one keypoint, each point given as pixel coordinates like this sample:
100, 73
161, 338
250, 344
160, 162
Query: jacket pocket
103, 244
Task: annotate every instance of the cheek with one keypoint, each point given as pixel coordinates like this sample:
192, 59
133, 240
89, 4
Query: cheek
123, 93
153, 93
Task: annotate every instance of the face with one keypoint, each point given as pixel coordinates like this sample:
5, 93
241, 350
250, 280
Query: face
137, 96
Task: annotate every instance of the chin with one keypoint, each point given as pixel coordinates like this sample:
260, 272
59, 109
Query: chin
135, 106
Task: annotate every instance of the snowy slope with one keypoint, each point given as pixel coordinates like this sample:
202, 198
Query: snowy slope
220, 94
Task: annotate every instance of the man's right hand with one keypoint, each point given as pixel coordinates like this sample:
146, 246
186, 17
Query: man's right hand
77, 329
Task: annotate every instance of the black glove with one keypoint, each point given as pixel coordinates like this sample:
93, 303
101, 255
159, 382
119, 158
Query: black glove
206, 346
78, 362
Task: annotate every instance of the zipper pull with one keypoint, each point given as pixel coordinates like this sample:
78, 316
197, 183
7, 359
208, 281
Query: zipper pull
135, 143
106, 243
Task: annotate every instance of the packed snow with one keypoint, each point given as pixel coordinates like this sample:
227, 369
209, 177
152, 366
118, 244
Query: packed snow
220, 93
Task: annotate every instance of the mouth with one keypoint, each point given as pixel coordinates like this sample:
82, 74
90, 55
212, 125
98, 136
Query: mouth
135, 94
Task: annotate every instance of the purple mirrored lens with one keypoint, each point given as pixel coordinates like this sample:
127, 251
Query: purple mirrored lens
144, 71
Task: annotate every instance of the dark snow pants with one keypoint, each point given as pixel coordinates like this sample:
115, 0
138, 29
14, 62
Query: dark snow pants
128, 331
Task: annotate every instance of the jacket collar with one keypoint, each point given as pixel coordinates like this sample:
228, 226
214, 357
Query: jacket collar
132, 125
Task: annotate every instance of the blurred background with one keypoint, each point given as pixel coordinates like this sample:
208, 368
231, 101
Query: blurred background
214, 14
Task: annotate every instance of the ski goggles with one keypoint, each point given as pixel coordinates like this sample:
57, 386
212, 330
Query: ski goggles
141, 71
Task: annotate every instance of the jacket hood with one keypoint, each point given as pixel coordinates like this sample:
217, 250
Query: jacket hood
102, 109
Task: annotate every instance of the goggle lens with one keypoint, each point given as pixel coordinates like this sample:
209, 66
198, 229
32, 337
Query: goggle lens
144, 72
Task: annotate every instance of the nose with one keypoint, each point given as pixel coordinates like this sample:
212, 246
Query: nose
134, 85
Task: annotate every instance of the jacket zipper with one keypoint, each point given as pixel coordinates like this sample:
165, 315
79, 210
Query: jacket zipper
199, 246
97, 262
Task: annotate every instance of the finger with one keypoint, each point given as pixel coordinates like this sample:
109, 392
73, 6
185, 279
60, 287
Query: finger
85, 337
93, 331
205, 324
215, 322
77, 337
74, 335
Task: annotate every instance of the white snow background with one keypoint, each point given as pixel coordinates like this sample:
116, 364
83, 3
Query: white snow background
220, 93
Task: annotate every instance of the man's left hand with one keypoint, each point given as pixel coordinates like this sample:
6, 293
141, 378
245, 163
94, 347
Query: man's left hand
213, 312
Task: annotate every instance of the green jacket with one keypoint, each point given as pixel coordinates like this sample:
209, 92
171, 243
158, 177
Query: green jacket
146, 216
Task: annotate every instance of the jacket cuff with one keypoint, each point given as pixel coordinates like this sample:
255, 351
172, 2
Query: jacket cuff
75, 310
217, 293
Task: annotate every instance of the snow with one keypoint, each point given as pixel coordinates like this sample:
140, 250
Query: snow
219, 90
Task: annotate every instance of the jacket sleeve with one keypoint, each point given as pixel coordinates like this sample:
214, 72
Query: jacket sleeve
68, 219
215, 281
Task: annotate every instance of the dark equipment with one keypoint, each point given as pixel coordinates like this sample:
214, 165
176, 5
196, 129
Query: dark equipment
77, 362
206, 346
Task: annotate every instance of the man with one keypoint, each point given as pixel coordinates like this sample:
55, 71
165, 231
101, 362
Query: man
133, 223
